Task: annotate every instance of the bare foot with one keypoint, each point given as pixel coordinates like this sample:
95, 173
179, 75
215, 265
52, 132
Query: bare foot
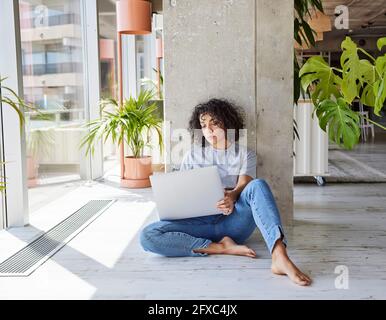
228, 246
233, 248
282, 265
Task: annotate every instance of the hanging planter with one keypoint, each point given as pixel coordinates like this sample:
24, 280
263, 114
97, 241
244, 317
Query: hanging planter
133, 17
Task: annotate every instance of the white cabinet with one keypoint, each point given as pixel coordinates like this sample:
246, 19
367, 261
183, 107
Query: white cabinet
311, 151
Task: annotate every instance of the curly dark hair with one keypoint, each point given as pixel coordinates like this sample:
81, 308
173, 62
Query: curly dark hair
226, 113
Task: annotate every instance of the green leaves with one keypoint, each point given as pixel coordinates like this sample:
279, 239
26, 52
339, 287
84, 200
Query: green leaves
379, 86
39, 142
333, 94
363, 78
355, 70
381, 43
9, 97
302, 30
303, 33
342, 122
131, 122
326, 83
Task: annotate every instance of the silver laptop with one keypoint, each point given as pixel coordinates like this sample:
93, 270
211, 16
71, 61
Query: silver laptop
187, 194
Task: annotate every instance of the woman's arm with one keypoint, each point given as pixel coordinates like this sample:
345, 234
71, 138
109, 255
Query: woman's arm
247, 172
242, 182
227, 204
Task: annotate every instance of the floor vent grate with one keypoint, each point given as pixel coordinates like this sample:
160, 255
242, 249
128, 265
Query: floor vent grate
28, 259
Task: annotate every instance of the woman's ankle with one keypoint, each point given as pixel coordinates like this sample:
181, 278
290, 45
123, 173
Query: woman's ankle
213, 248
279, 250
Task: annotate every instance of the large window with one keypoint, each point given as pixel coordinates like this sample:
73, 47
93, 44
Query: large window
53, 81
109, 73
139, 63
2, 176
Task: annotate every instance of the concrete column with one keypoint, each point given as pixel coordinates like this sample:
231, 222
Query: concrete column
274, 97
240, 50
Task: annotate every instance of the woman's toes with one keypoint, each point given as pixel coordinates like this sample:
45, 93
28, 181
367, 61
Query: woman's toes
252, 253
305, 277
304, 280
285, 266
299, 280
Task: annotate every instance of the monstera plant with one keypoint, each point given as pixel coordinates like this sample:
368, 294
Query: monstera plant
333, 90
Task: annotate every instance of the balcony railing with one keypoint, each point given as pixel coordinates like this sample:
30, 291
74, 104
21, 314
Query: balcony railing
52, 68
56, 20
73, 115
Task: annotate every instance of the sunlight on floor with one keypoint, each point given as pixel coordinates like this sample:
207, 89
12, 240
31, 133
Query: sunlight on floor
105, 239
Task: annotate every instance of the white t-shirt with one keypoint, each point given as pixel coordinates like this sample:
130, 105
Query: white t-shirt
230, 163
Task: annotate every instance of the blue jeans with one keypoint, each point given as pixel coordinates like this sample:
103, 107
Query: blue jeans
255, 207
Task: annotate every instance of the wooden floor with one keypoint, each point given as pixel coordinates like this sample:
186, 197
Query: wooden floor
335, 225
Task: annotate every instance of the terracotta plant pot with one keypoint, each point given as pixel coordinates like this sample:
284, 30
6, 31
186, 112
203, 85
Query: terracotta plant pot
137, 172
32, 171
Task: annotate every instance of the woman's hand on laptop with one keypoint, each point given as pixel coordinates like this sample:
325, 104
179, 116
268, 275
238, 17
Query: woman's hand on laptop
227, 204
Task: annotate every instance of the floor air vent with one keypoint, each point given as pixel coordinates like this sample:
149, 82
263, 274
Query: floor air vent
28, 259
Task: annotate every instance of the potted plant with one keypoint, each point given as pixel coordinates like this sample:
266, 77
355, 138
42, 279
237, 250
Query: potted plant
333, 90
130, 122
39, 142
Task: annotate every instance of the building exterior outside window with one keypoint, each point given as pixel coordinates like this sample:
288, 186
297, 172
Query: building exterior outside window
53, 81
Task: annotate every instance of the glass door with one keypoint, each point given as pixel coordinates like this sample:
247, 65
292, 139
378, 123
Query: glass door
108, 67
53, 80
2, 174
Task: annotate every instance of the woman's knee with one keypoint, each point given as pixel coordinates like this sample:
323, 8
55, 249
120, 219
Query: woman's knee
148, 237
257, 185
258, 182
243, 235
240, 226
240, 238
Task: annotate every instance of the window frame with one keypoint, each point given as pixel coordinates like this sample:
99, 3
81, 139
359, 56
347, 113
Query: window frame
15, 199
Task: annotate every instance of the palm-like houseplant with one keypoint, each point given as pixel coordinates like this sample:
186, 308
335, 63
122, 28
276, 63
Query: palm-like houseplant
158, 98
333, 90
39, 143
10, 98
132, 122
154, 84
